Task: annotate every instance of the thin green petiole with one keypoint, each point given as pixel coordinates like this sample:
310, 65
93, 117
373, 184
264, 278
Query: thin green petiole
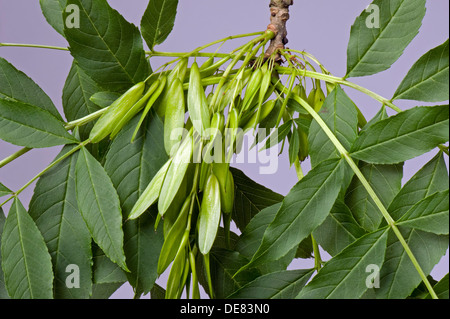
14, 156
45, 170
39, 46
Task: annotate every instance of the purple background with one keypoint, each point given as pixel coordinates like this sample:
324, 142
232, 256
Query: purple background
321, 27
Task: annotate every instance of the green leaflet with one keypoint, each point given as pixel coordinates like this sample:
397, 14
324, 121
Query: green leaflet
303, 209
403, 136
373, 49
104, 270
54, 209
100, 207
429, 214
17, 86
3, 292
340, 115
250, 198
4, 190
441, 288
251, 237
398, 277
27, 266
428, 78
386, 180
345, 275
339, 229
284, 284
105, 40
131, 167
53, 11
77, 91
431, 178
158, 21
294, 145
30, 126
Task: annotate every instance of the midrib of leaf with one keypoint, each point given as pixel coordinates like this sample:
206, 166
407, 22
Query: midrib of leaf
98, 205
23, 252
359, 262
400, 136
158, 24
305, 208
431, 76
106, 44
375, 40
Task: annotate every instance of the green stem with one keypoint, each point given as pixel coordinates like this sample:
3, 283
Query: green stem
337, 80
40, 46
45, 170
184, 54
14, 156
366, 185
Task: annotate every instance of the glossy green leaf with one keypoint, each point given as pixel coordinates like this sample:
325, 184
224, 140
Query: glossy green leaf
429, 214
100, 207
107, 47
30, 126
340, 115
131, 167
403, 136
284, 284
374, 48
305, 207
4, 190
428, 79
104, 271
77, 91
17, 86
386, 181
250, 198
398, 276
339, 229
158, 21
53, 13
26, 262
251, 237
345, 275
431, 178
294, 146
54, 209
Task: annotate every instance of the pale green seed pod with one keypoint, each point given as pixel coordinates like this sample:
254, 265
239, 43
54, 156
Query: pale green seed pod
174, 238
150, 103
174, 120
178, 72
226, 183
138, 106
319, 98
107, 122
197, 103
209, 217
256, 118
151, 193
252, 89
175, 174
174, 282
